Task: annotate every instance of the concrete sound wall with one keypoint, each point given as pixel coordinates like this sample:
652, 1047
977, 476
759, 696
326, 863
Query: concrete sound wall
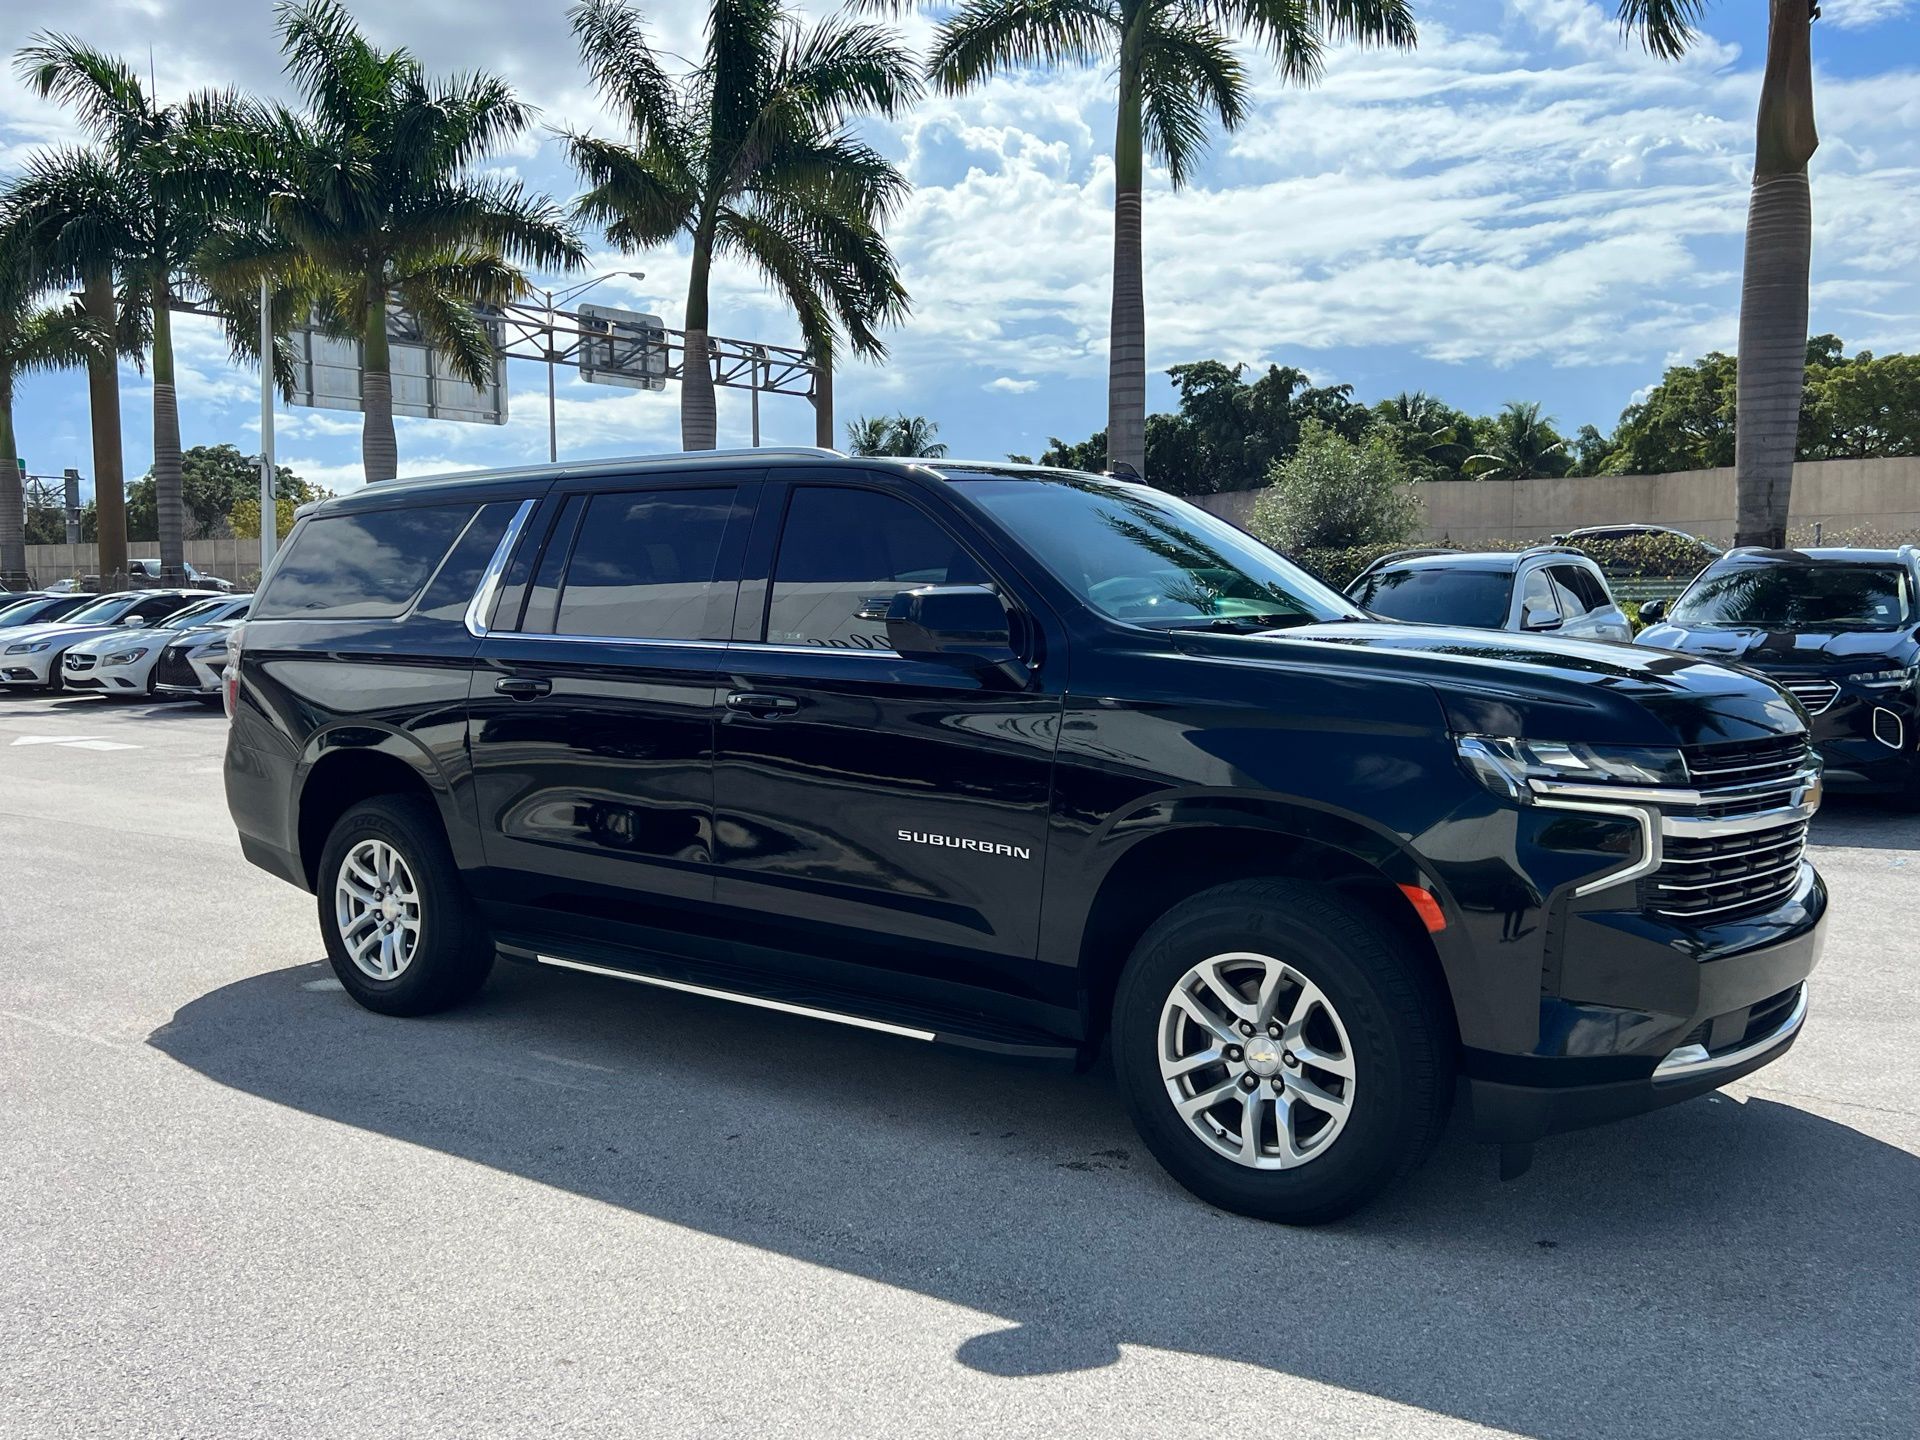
1840, 495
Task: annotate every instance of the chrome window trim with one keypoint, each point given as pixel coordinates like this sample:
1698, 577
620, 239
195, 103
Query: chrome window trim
1691, 1061
642, 642
483, 597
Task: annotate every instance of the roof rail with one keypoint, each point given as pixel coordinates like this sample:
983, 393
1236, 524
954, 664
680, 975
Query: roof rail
1553, 549
808, 452
1394, 555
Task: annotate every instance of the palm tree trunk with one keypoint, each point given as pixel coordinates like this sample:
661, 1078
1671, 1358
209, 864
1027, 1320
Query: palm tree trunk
13, 496
699, 422
823, 399
169, 504
1773, 292
1127, 328
103, 405
379, 450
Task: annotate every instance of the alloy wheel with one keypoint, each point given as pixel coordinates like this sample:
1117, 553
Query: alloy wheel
376, 905
1256, 1061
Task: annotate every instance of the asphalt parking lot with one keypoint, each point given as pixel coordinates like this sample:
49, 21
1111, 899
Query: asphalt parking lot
234, 1204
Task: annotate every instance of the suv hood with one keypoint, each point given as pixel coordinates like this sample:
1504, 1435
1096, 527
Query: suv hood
1786, 649
1503, 683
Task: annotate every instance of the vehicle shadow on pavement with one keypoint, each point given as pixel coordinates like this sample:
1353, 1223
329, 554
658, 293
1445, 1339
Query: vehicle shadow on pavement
1865, 821
1718, 1268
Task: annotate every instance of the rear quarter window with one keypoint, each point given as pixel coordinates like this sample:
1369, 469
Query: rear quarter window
365, 565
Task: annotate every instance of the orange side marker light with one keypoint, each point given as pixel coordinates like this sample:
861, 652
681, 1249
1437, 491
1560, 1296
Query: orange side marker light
1426, 907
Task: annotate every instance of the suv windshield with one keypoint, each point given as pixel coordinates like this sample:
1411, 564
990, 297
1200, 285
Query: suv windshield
1142, 556
1797, 597
1438, 596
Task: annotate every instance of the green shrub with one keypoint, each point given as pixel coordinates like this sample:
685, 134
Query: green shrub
1335, 493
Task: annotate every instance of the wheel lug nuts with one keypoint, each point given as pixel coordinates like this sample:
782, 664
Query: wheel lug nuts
1287, 1057
1273, 1032
1245, 1028
1248, 1082
1278, 1083
1233, 1053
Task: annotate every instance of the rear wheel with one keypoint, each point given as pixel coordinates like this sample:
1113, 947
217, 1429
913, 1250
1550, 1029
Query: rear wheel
1283, 1053
399, 925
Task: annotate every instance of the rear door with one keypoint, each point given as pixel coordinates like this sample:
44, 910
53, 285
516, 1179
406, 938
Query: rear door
868, 807
591, 716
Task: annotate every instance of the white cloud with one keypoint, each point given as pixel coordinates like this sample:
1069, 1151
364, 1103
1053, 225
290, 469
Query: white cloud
1007, 385
1858, 14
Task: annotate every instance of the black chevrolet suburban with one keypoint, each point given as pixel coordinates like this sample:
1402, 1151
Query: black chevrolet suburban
1033, 762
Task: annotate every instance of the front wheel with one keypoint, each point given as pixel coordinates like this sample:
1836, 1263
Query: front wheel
399, 925
1284, 1054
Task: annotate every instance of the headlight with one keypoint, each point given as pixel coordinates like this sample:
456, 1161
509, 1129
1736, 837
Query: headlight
1506, 765
1881, 679
125, 657
31, 648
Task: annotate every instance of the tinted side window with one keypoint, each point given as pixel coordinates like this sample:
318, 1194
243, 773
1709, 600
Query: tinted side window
1538, 595
1572, 603
361, 566
158, 608
646, 567
1584, 586
452, 587
844, 554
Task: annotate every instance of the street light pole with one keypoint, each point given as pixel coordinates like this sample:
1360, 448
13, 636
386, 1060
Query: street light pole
269, 509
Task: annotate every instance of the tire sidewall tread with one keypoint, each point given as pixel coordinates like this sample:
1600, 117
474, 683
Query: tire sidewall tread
1390, 1000
454, 953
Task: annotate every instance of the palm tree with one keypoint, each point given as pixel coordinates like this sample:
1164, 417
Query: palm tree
153, 148
1521, 445
74, 204
912, 436
750, 156
371, 195
33, 336
1174, 63
1779, 254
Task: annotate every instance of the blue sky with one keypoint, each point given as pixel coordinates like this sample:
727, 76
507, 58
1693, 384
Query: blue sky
1523, 208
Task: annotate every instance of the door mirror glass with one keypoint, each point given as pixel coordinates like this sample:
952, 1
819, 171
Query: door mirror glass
964, 624
1653, 612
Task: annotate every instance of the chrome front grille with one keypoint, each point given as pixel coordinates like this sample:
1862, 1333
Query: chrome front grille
1723, 875
1816, 695
79, 662
1747, 777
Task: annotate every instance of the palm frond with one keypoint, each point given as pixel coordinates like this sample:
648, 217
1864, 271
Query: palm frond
615, 49
1665, 27
100, 88
52, 337
988, 37
643, 192
1186, 69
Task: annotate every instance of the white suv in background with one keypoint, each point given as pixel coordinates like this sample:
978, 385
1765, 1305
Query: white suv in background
122, 662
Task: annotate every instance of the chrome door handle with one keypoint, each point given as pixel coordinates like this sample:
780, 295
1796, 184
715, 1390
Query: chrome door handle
522, 687
756, 702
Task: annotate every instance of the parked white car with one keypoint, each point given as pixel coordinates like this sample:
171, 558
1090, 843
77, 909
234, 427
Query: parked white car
31, 656
123, 662
1548, 588
193, 664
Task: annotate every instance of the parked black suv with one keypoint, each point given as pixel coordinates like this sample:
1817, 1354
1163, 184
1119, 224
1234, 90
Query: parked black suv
1027, 760
1840, 628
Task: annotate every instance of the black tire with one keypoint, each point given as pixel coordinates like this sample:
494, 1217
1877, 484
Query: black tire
1398, 1023
453, 954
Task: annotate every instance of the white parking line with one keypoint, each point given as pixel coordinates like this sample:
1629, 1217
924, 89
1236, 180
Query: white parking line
73, 742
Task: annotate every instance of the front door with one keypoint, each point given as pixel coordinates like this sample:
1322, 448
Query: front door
868, 807
592, 712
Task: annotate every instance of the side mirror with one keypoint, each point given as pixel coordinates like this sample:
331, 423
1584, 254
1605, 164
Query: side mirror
961, 624
1653, 612
1533, 618
135, 622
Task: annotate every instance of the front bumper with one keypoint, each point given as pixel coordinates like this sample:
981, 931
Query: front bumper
1681, 1012
171, 675
29, 672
